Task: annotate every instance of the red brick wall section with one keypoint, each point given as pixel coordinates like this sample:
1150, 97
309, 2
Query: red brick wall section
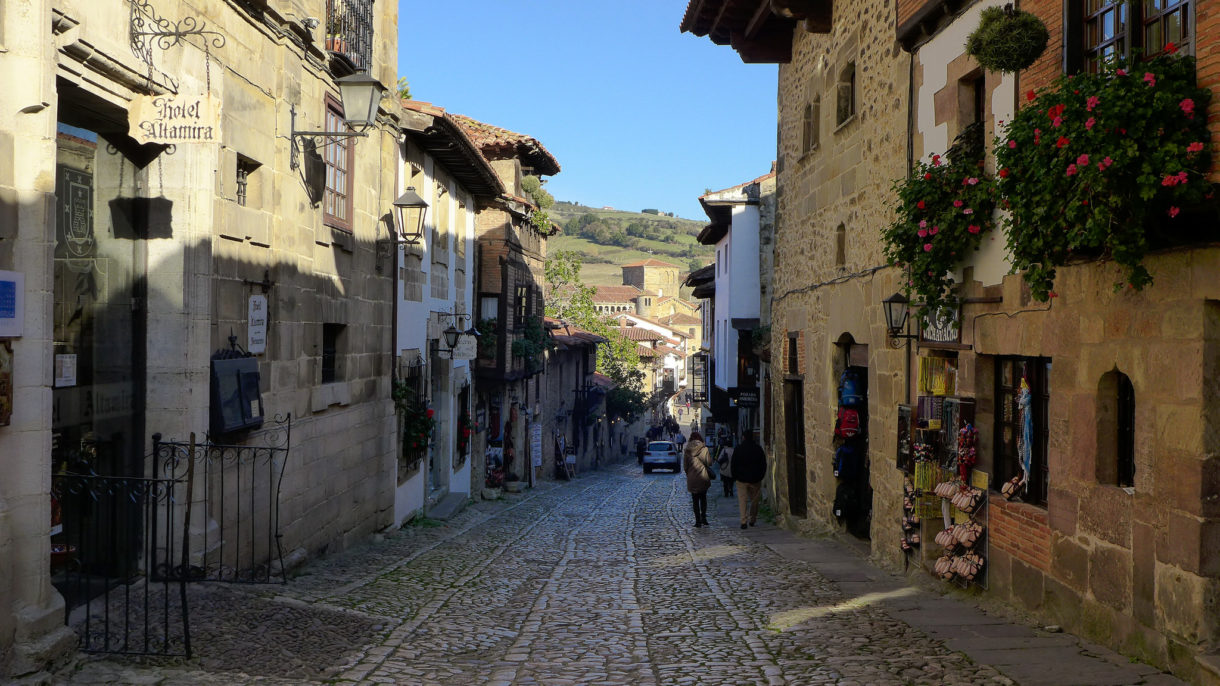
1207, 54
1021, 531
1050, 64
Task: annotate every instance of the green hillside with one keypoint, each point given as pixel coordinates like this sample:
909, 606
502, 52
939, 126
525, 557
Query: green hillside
608, 239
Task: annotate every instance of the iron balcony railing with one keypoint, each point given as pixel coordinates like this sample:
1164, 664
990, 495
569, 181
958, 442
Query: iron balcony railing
349, 31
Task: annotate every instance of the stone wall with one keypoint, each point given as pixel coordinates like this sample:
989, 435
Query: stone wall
339, 477
843, 181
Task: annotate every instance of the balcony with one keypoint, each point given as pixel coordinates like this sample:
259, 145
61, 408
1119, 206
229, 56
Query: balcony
349, 33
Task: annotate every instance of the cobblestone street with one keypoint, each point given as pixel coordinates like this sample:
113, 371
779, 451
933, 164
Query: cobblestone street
603, 580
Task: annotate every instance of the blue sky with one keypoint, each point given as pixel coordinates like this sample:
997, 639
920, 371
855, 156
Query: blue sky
638, 114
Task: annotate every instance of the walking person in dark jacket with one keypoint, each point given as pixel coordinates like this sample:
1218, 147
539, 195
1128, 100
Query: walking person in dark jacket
749, 466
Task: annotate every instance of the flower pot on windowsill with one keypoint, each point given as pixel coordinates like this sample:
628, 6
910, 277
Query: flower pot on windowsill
336, 44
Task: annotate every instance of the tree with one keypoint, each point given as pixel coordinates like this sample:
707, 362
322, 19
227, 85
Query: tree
572, 301
404, 89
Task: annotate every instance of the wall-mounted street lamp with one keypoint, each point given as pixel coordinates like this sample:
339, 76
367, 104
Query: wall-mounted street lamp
897, 310
451, 336
409, 211
361, 95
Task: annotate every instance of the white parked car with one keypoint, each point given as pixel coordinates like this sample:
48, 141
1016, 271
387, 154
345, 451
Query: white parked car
663, 455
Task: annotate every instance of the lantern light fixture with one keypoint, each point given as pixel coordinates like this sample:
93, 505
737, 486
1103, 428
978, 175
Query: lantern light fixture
409, 212
360, 94
451, 336
897, 311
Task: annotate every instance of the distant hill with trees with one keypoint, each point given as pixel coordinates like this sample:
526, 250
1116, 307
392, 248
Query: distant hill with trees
605, 239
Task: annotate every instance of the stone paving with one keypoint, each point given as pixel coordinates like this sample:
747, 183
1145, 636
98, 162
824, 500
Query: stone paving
602, 580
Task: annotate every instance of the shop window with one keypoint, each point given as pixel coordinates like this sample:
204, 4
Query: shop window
332, 335
845, 104
1102, 30
1021, 429
1116, 430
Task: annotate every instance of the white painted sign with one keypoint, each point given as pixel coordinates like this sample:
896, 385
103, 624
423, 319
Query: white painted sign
256, 325
175, 119
536, 443
467, 348
12, 304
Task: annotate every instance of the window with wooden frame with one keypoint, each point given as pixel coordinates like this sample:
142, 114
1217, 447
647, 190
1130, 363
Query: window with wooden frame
522, 303
1010, 423
339, 155
1102, 30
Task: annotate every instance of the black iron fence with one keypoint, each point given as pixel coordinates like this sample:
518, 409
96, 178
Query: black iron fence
236, 499
349, 31
113, 530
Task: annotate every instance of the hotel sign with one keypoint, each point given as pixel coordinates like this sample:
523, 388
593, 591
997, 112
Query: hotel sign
174, 119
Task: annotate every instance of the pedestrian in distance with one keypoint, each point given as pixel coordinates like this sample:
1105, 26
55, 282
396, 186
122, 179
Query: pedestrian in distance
680, 440
725, 460
749, 466
697, 463
641, 445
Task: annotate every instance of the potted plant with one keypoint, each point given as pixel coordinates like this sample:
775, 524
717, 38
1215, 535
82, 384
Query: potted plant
1007, 39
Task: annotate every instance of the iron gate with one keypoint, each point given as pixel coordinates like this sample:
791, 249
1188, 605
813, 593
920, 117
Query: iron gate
110, 531
236, 497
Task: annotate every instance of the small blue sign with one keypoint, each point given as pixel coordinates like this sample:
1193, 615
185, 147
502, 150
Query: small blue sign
8, 300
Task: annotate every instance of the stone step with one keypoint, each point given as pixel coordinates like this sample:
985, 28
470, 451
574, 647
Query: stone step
448, 506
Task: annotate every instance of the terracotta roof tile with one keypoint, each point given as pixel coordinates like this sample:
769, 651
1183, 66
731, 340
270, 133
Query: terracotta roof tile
493, 140
616, 294
652, 263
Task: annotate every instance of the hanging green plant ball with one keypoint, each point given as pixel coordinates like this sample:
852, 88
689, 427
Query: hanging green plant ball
1006, 39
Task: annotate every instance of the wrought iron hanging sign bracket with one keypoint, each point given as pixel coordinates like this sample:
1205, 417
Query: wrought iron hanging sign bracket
149, 29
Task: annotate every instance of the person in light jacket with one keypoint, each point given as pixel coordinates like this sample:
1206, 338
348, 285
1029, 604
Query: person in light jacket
725, 460
697, 463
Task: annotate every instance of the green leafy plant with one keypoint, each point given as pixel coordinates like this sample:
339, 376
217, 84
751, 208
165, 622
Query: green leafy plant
489, 338
1101, 165
1007, 39
534, 341
944, 210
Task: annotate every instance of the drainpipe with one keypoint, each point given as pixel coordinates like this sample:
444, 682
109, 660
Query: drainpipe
910, 163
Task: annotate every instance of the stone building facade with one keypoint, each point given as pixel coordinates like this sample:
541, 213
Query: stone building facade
141, 259
1126, 555
653, 276
437, 279
511, 254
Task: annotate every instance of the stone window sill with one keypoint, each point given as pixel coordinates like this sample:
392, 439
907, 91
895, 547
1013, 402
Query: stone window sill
325, 395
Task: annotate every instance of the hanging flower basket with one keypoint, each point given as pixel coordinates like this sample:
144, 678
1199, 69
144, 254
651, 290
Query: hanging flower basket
944, 210
1007, 39
1101, 165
